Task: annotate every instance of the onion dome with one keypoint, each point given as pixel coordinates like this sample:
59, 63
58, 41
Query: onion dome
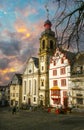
47, 24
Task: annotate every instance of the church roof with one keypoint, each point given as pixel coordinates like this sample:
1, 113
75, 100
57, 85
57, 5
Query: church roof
36, 61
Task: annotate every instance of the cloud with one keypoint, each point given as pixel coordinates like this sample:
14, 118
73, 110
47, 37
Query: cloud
17, 46
22, 29
9, 48
27, 11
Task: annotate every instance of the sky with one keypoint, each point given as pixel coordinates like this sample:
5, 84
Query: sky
21, 24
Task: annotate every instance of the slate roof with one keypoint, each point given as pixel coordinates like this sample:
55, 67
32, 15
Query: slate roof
69, 55
36, 61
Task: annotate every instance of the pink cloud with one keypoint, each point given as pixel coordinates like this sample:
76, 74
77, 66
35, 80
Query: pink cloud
26, 11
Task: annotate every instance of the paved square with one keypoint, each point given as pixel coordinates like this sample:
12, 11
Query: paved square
38, 120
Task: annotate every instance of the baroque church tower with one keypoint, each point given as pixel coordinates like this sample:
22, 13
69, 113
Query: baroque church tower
46, 50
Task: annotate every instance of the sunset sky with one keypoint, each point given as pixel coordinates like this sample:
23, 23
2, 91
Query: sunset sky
21, 23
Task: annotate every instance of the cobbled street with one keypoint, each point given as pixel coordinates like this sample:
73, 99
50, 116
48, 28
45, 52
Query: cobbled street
39, 120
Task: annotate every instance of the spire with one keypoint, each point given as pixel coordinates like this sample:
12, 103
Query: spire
47, 10
47, 23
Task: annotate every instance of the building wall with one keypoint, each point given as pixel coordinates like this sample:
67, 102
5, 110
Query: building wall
76, 86
15, 95
56, 64
30, 84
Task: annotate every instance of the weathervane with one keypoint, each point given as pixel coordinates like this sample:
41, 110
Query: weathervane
46, 7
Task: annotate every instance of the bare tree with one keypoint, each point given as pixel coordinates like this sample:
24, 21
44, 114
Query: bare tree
69, 18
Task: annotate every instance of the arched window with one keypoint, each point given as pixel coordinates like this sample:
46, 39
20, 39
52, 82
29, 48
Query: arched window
34, 87
43, 44
51, 44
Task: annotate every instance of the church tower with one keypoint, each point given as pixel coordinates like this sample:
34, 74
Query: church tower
46, 50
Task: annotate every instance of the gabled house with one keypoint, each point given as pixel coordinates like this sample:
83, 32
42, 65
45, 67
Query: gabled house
16, 90
59, 76
76, 91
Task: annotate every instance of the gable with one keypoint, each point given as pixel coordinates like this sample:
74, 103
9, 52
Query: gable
31, 66
15, 80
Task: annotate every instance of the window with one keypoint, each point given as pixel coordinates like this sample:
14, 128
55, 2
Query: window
13, 94
54, 63
79, 99
24, 98
16, 94
64, 93
56, 101
13, 87
24, 87
42, 82
55, 93
63, 82
29, 86
54, 72
62, 60
34, 99
62, 71
55, 83
79, 69
42, 67
30, 71
43, 44
51, 44
34, 87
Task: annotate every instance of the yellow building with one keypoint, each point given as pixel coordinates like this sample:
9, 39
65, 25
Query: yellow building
46, 50
16, 90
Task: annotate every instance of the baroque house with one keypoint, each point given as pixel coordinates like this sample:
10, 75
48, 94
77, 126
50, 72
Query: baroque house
76, 86
59, 76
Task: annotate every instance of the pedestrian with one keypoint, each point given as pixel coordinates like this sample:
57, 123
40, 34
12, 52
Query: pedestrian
14, 110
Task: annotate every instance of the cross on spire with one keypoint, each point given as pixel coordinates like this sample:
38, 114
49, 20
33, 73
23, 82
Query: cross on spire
47, 10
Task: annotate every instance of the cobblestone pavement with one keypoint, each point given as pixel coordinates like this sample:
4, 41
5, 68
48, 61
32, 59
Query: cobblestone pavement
39, 120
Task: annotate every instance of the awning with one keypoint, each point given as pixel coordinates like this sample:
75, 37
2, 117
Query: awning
55, 88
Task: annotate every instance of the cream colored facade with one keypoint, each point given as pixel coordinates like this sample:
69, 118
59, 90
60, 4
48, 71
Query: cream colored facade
76, 86
16, 91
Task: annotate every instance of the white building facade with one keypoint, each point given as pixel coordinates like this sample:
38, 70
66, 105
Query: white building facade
59, 76
30, 85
